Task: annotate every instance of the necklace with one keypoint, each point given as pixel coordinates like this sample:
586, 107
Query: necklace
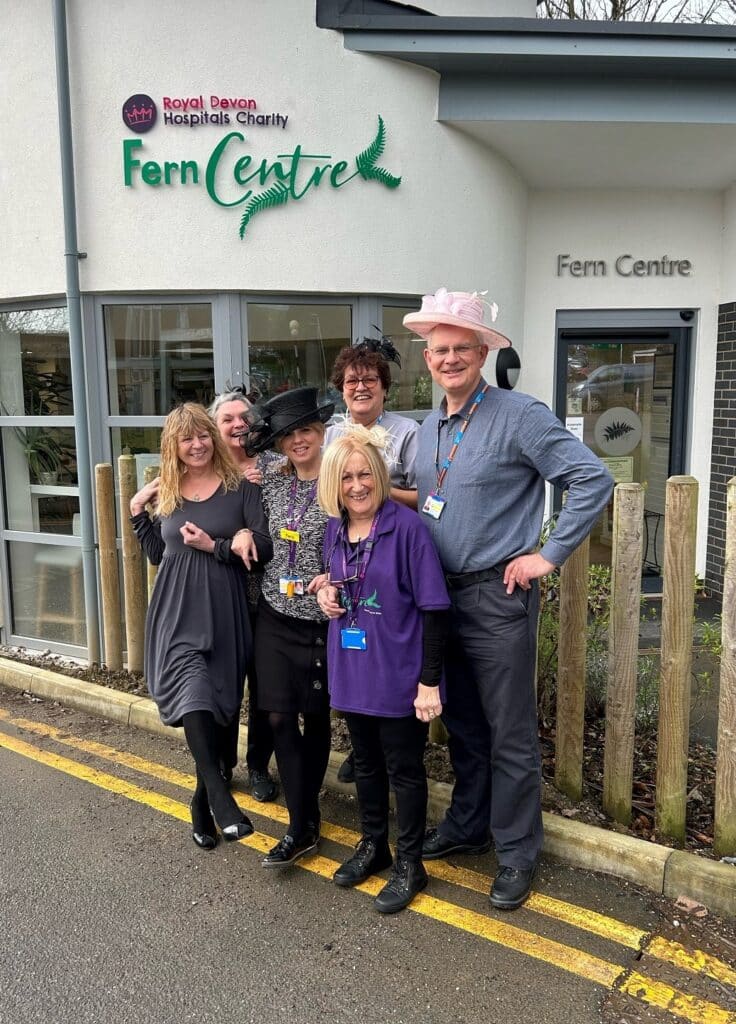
195, 497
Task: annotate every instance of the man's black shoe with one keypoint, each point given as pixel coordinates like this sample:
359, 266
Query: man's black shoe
407, 879
436, 845
511, 887
346, 771
366, 861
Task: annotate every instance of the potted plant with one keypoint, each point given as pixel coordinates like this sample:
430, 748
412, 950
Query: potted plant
44, 454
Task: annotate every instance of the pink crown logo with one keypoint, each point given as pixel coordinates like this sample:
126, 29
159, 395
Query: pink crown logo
136, 115
139, 113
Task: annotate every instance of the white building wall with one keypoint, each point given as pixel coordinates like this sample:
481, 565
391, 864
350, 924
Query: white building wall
441, 225
31, 219
728, 251
597, 225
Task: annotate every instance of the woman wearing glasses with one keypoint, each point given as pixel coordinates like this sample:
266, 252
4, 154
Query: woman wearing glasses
386, 599
362, 374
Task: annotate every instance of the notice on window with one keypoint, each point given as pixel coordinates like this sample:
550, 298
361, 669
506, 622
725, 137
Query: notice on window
621, 469
575, 425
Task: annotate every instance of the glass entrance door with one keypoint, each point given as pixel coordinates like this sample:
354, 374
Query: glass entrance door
623, 394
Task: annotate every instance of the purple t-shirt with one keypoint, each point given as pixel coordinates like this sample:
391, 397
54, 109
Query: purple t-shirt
404, 579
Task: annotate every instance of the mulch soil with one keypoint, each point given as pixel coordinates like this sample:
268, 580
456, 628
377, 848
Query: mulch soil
701, 762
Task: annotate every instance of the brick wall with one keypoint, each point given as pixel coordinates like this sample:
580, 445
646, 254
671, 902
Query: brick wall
723, 454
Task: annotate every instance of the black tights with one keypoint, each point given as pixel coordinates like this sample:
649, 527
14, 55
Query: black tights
302, 762
213, 748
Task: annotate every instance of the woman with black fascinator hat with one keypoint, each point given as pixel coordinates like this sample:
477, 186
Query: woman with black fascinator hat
363, 375
291, 629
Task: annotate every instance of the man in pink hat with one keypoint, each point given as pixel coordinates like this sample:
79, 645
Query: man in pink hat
481, 468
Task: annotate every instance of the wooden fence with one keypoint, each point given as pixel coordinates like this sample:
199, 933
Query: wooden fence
623, 636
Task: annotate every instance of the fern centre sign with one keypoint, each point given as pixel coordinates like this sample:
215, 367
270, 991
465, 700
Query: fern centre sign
233, 178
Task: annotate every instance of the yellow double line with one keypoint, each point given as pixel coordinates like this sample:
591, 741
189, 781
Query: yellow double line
567, 958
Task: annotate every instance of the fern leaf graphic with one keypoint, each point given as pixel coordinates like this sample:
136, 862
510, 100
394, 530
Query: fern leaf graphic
274, 196
369, 156
366, 161
617, 429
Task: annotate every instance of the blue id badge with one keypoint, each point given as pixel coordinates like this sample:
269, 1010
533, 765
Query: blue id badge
353, 639
434, 506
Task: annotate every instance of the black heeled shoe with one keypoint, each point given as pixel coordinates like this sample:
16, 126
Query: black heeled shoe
204, 832
241, 829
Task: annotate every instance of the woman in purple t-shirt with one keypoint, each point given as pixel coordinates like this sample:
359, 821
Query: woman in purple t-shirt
385, 596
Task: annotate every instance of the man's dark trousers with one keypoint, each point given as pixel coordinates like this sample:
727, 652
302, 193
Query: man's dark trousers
491, 716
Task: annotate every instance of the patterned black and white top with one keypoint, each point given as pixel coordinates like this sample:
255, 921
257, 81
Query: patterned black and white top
276, 498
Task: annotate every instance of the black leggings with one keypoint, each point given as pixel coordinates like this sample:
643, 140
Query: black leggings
302, 762
391, 749
213, 748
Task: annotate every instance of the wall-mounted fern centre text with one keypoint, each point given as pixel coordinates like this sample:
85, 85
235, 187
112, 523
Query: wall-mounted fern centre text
232, 177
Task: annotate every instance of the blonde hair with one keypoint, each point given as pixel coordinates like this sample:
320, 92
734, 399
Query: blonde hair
187, 419
287, 466
370, 442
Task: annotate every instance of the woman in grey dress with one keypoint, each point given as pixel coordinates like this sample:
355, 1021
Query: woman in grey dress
207, 530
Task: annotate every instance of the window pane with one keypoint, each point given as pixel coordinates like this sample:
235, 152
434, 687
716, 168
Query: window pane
158, 356
412, 384
40, 478
35, 370
47, 592
143, 443
619, 399
294, 345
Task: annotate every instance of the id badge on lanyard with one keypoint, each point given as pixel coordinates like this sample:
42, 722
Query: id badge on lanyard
434, 506
353, 639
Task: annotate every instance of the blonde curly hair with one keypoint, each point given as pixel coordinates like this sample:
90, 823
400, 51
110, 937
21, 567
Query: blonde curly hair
183, 421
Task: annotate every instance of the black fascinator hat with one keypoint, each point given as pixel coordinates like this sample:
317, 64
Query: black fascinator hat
281, 414
382, 345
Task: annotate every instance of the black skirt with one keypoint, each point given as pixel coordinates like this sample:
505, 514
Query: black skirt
291, 662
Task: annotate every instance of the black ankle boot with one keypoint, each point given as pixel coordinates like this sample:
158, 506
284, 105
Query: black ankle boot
369, 857
407, 879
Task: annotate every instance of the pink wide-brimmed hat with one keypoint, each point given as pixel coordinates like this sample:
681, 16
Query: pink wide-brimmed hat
458, 309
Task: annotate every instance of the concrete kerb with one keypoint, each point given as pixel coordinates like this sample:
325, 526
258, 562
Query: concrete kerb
665, 871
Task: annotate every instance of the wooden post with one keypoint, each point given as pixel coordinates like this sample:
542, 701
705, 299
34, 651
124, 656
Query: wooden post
437, 731
678, 607
109, 573
623, 650
135, 599
150, 473
571, 672
724, 839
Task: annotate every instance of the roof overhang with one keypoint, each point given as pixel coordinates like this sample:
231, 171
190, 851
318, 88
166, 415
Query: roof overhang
589, 94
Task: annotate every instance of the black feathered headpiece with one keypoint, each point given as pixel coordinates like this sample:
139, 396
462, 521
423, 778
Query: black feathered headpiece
383, 345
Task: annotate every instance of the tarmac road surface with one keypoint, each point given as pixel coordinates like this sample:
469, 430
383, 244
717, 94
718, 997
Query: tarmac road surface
108, 912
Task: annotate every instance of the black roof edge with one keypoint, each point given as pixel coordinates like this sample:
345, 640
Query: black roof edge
335, 14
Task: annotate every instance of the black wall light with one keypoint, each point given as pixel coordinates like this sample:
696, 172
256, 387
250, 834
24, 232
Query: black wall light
508, 367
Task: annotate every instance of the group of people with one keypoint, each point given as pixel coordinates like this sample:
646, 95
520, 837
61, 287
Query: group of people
383, 570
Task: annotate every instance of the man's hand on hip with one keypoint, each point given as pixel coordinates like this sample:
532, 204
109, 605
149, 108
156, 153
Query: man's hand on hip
522, 570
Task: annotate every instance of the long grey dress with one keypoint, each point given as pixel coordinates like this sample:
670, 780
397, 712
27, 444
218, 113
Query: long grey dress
198, 638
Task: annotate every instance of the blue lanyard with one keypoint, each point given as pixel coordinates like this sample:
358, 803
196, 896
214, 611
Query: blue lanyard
457, 440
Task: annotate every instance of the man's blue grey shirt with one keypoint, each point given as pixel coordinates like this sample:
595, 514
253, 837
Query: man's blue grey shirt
495, 487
